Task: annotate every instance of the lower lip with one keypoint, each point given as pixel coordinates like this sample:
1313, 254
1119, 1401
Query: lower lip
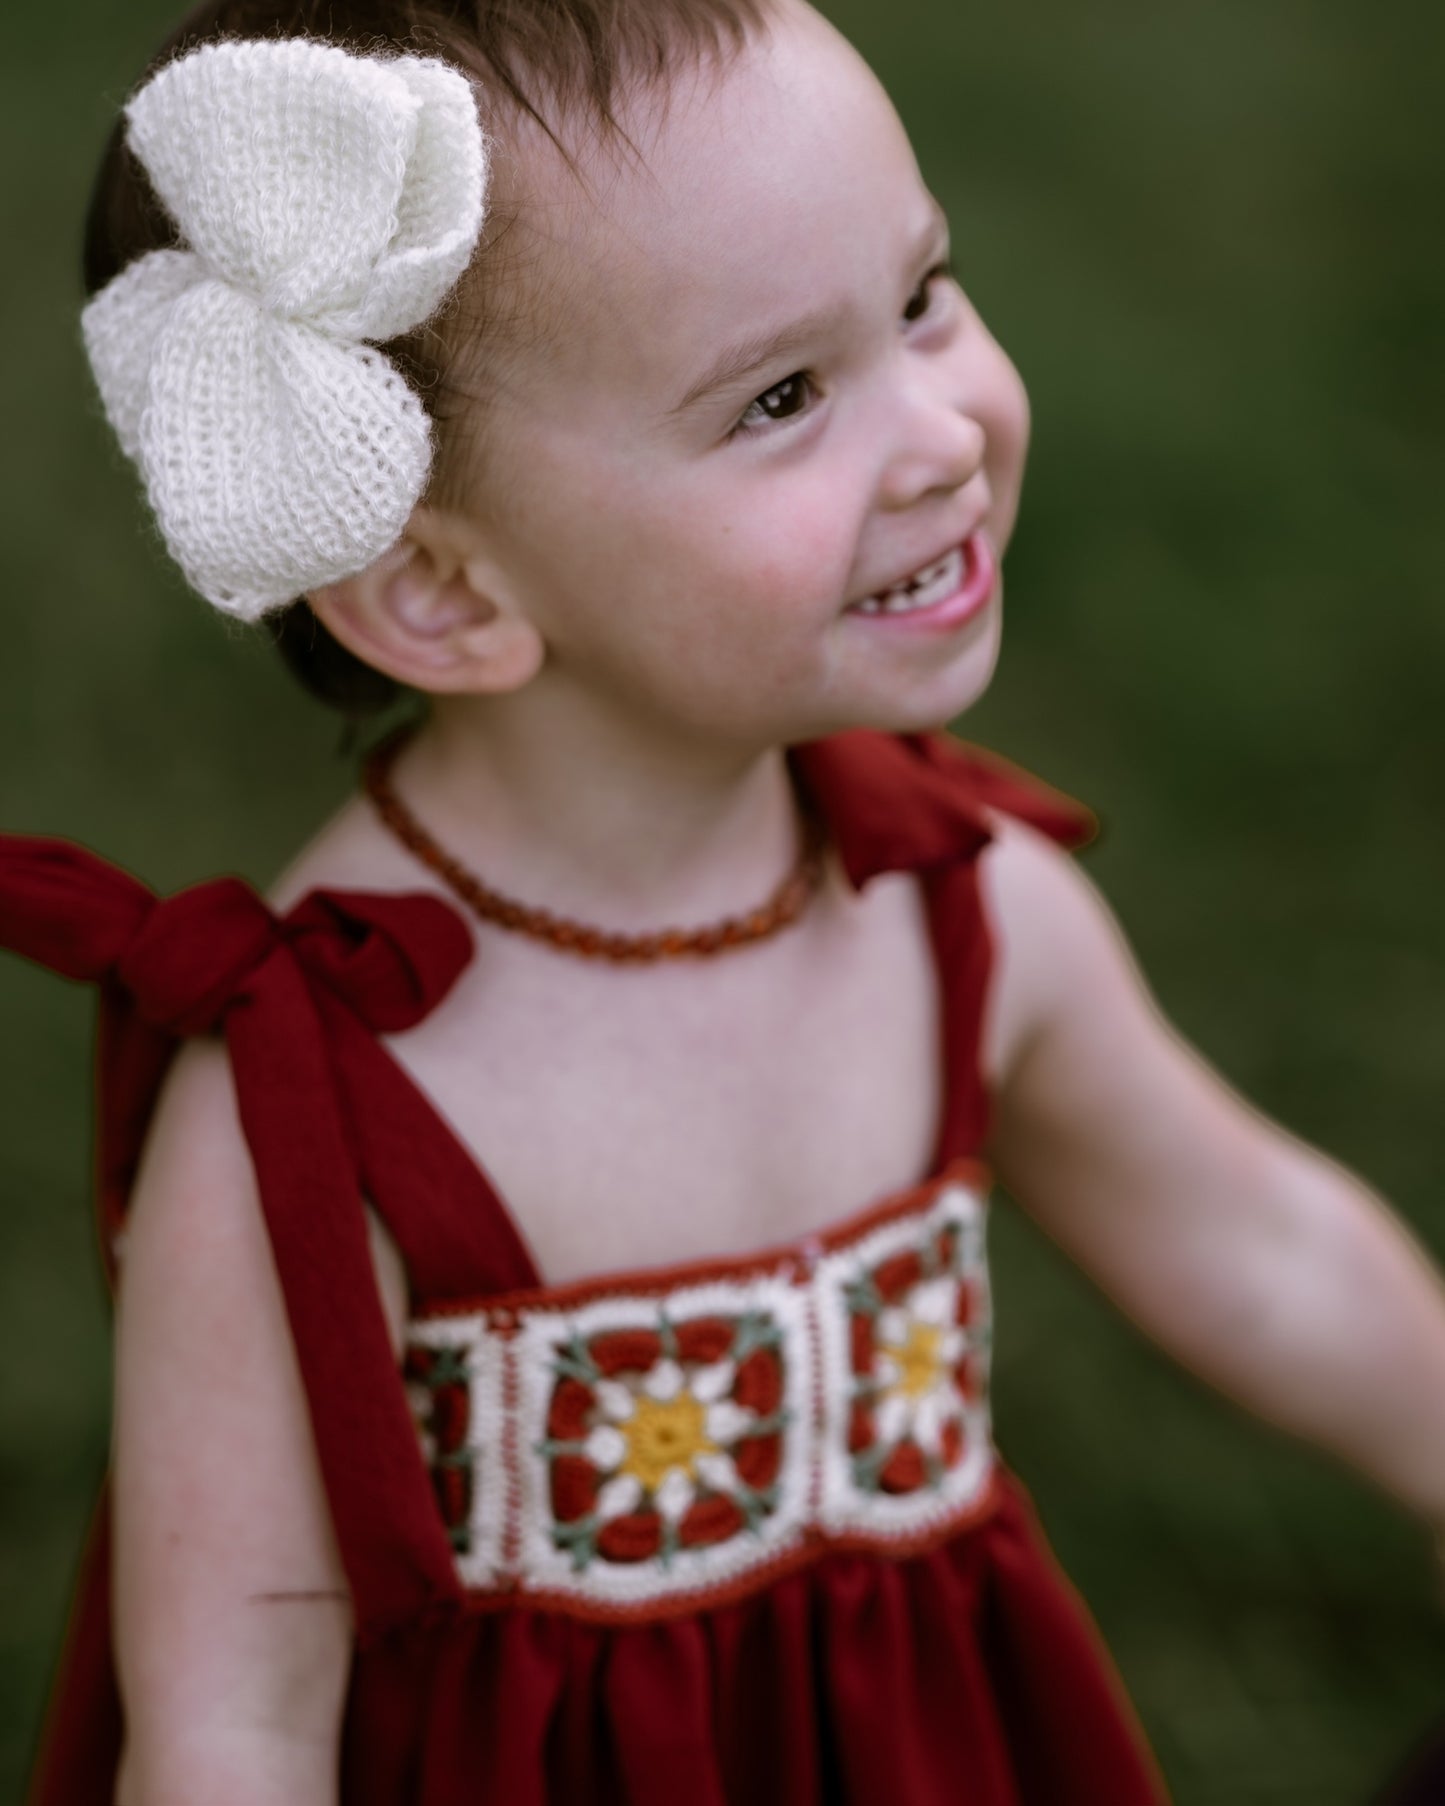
968, 601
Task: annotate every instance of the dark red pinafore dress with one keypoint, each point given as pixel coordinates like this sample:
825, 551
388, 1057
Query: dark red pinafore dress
729, 1534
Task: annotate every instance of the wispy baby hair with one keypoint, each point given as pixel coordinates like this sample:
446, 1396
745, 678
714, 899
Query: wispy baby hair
547, 61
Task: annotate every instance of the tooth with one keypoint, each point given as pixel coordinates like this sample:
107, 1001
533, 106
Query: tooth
921, 590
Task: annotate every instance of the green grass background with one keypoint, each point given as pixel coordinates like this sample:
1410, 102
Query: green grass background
1209, 233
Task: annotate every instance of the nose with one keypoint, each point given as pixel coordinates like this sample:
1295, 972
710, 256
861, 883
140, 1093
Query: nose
937, 445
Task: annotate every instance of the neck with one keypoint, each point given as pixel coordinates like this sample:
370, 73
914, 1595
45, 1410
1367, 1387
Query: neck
602, 820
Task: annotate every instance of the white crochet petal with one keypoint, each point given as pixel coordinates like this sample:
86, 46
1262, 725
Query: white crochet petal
709, 1384
891, 1327
277, 459
726, 1421
442, 206
664, 1381
934, 1302
614, 1400
675, 1495
621, 1494
929, 1415
606, 1447
719, 1471
894, 1414
121, 326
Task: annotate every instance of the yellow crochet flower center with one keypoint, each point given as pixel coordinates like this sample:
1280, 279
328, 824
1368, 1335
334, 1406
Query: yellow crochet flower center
919, 1360
662, 1434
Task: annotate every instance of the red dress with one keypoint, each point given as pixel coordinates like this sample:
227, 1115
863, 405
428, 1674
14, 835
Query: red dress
726, 1533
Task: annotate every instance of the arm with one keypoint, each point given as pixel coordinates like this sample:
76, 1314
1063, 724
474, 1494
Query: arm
233, 1626
1254, 1260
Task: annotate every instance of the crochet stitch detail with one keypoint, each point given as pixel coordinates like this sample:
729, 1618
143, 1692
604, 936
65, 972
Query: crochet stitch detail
324, 200
635, 1446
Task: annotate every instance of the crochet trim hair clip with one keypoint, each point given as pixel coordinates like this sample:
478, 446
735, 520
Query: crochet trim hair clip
324, 200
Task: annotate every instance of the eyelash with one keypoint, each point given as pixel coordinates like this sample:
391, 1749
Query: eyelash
745, 427
942, 271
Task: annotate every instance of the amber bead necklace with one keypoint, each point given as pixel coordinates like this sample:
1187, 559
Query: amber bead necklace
782, 909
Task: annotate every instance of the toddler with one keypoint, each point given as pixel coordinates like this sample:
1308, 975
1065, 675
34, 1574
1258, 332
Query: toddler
552, 1311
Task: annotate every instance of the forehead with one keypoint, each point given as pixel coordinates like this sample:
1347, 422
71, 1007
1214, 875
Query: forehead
748, 193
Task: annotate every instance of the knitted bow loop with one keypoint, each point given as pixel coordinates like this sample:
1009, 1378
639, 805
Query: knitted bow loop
323, 199
338, 190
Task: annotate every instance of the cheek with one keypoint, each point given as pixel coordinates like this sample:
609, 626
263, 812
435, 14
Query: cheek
1007, 424
784, 525
775, 549
724, 552
632, 568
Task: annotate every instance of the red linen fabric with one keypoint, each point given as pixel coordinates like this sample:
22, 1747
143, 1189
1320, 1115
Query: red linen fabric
968, 1674
286, 994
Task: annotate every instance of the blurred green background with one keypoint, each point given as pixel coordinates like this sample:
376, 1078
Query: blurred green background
1209, 233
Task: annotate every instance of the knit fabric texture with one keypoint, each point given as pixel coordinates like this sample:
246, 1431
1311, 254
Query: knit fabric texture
322, 200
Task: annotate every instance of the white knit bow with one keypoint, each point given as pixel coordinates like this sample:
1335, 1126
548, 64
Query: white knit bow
324, 199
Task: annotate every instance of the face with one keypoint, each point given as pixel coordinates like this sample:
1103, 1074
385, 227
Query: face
766, 408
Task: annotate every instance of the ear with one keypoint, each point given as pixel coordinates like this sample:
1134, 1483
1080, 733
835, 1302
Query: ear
434, 613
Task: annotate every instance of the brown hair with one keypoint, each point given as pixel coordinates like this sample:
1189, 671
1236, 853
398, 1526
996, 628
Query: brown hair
538, 58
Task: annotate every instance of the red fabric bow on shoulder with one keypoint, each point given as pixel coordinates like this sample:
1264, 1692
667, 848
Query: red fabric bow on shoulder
299, 999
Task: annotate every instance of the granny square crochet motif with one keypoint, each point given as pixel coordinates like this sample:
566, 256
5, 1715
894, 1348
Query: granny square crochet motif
638, 1445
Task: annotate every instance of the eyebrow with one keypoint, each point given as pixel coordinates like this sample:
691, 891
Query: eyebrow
763, 348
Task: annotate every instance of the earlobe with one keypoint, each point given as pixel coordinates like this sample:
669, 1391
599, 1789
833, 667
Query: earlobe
432, 614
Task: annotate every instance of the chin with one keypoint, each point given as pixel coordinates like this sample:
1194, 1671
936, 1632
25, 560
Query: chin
920, 716
949, 694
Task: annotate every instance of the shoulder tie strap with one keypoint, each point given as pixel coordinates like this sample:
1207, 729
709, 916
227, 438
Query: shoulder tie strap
282, 991
924, 803
921, 802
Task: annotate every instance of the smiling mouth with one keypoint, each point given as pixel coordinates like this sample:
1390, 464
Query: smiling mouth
941, 598
922, 590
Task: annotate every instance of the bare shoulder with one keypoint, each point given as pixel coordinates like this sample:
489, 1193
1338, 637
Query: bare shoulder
196, 1223
196, 1175
1058, 947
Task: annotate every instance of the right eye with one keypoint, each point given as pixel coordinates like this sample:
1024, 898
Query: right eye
782, 402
